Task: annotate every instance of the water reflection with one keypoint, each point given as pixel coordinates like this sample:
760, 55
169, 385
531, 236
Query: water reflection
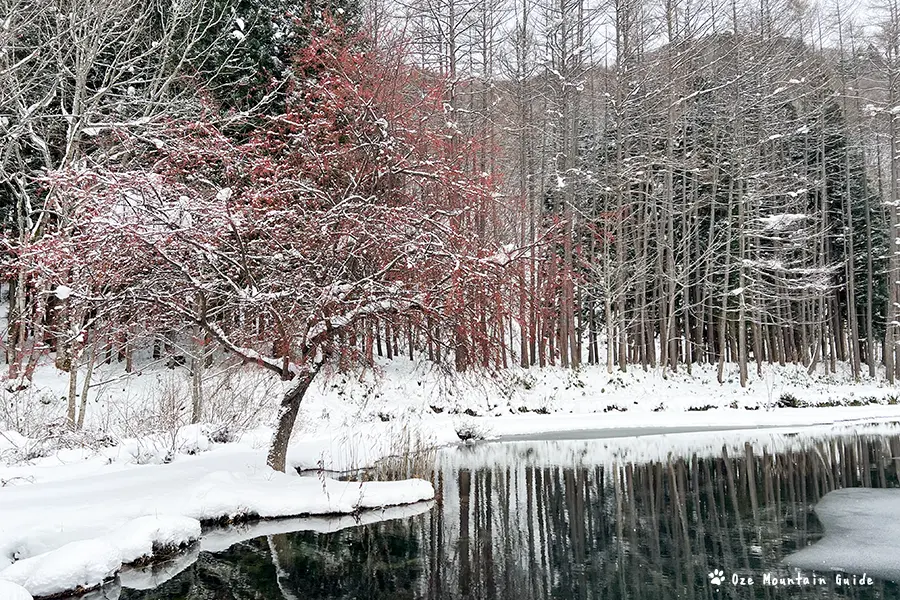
649, 518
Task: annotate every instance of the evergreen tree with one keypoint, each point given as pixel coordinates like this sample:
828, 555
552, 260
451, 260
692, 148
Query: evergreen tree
252, 42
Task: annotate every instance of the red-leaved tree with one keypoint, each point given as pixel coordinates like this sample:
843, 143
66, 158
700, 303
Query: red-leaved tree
278, 236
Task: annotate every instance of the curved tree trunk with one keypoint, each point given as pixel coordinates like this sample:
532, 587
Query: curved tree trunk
287, 414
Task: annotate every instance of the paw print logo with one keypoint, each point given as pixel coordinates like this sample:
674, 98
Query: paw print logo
716, 577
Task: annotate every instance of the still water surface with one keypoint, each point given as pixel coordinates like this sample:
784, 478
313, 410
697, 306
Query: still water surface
647, 518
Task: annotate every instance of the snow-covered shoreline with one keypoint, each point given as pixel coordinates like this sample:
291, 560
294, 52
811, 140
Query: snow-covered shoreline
101, 560
134, 475
67, 533
76, 533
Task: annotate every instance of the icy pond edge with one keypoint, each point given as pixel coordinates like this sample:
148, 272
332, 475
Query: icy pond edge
88, 563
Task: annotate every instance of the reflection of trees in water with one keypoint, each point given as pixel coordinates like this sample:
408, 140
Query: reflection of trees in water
243, 572
377, 561
652, 530
525, 532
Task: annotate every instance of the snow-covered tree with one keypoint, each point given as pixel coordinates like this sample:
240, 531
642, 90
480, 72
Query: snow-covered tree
349, 206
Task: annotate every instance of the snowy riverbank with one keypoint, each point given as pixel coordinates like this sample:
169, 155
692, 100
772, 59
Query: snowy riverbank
350, 420
146, 413
76, 531
138, 481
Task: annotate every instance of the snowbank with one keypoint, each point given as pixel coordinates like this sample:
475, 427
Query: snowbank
222, 538
12, 591
58, 487
862, 534
148, 537
155, 574
61, 535
76, 566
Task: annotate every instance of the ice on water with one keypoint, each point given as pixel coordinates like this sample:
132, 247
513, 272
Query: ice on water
862, 534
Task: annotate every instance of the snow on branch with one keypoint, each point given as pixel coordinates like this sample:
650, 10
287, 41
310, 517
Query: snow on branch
781, 222
348, 206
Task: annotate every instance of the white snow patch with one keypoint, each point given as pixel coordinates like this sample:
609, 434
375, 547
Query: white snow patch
782, 221
85, 564
861, 534
62, 292
11, 440
560, 182
376, 494
58, 535
13, 591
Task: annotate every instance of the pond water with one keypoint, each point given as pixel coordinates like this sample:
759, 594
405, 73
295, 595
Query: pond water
645, 518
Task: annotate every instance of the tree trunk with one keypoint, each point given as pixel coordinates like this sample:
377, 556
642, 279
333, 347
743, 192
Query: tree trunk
73, 391
61, 325
86, 386
198, 363
290, 406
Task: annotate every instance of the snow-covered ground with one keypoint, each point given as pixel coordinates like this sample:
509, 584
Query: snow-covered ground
12, 591
63, 532
138, 479
352, 419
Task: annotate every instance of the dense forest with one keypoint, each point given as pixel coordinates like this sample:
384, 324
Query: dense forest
695, 183
477, 183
